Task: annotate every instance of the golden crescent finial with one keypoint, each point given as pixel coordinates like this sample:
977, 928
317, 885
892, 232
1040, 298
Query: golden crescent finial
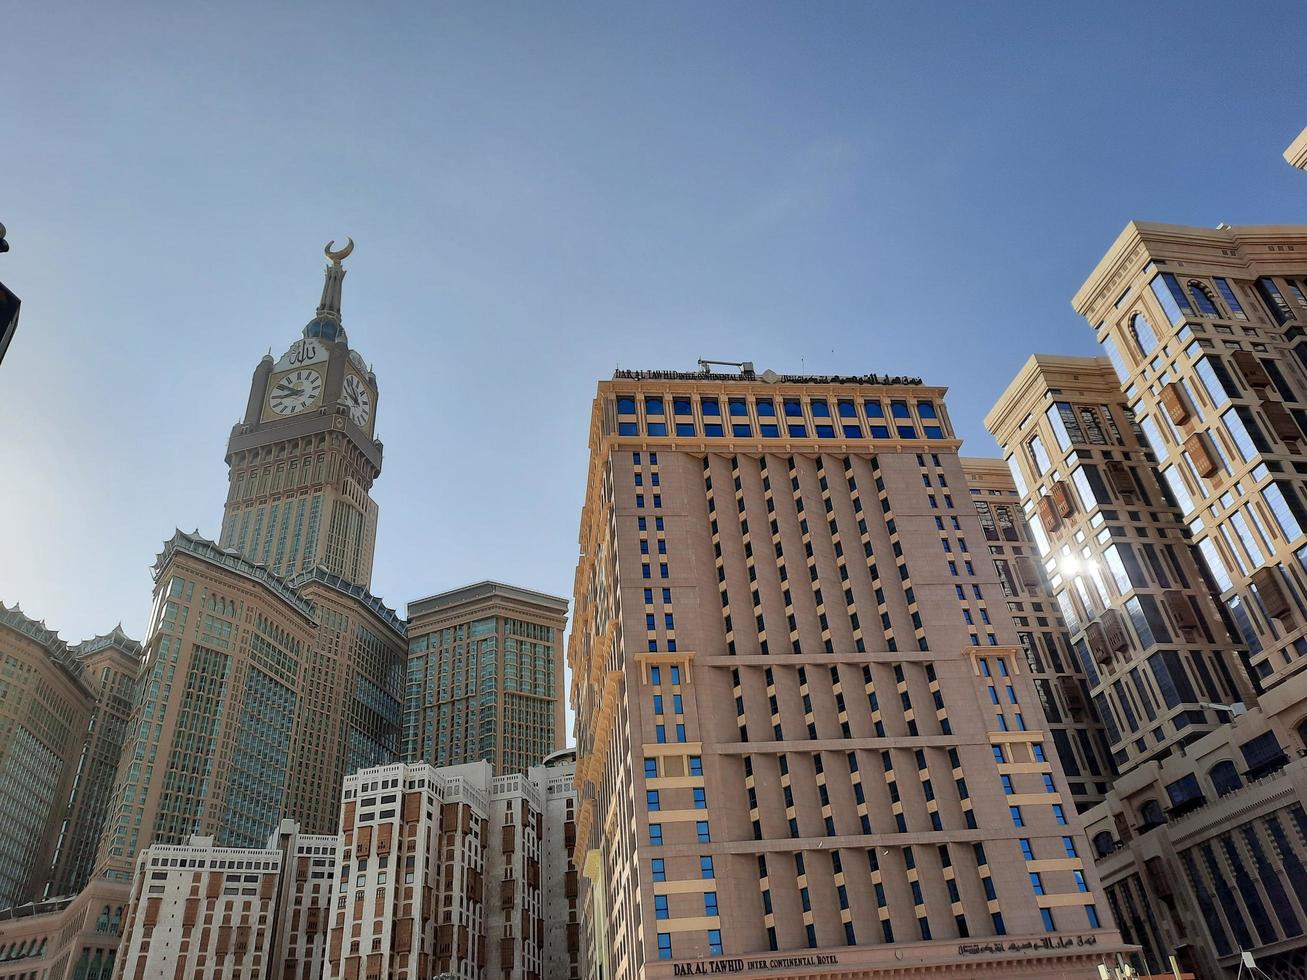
338, 257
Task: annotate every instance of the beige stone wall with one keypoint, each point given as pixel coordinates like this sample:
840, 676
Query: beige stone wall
804, 575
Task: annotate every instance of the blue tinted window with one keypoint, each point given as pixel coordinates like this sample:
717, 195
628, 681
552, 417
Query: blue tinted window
769, 431
715, 942
625, 405
1143, 331
853, 431
848, 410
682, 406
659, 869
798, 430
1171, 296
696, 765
701, 829
825, 432
820, 409
766, 408
875, 410
705, 867
1231, 300
907, 431
660, 906
627, 429
651, 799
1201, 300
899, 410
712, 430
710, 406
1092, 913
685, 428
741, 430
657, 428
926, 410
738, 406
656, 834
653, 406
880, 432
650, 768
933, 431
794, 408
664, 945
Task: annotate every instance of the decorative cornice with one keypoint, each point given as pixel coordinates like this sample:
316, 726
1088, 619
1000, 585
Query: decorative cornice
197, 546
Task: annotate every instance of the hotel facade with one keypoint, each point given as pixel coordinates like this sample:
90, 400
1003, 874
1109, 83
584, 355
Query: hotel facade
809, 742
1176, 550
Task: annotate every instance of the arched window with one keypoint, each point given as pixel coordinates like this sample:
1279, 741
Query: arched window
1225, 778
1103, 843
1143, 333
1203, 301
1151, 815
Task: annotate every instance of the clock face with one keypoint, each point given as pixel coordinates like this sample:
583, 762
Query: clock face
357, 398
295, 392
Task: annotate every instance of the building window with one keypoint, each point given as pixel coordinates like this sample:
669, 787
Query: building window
705, 866
625, 405
1172, 298
660, 907
715, 942
659, 869
1047, 915
1142, 331
701, 828
664, 945
656, 834
1202, 300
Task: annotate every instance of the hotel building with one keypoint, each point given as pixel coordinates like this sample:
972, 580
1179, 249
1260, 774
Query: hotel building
809, 739
1059, 676
1183, 567
223, 913
485, 677
456, 871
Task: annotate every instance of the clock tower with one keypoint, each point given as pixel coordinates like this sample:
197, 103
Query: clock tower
304, 458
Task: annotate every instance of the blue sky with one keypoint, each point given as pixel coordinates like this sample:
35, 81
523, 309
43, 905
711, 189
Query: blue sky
541, 192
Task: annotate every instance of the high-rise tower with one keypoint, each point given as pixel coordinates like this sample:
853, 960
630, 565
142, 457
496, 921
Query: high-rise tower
269, 671
305, 456
808, 739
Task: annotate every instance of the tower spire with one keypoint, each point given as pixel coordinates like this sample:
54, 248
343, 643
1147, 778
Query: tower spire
326, 322
330, 303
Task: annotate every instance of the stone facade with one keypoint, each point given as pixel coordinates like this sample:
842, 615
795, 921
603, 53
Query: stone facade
1176, 549
809, 741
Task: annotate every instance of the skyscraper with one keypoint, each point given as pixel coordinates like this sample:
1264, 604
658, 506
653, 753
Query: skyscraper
808, 738
60, 734
1117, 558
269, 670
109, 664
485, 677
1060, 677
305, 456
1174, 540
